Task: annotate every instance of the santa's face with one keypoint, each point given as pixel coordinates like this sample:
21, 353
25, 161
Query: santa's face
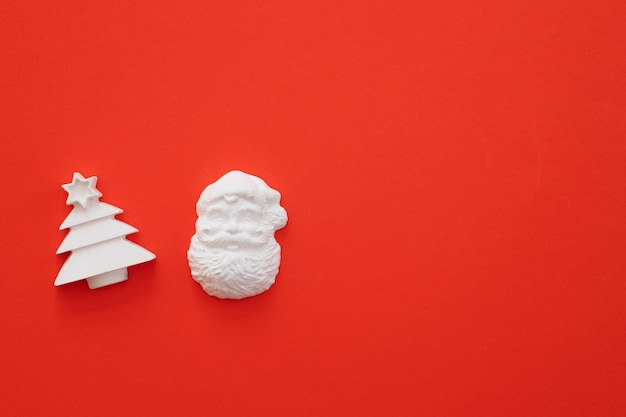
235, 255
232, 223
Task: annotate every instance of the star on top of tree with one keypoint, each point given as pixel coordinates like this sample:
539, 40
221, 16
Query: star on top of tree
81, 190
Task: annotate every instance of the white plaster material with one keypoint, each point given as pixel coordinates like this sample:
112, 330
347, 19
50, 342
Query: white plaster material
233, 253
100, 251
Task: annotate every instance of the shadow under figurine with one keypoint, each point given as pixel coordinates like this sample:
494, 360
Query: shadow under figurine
233, 253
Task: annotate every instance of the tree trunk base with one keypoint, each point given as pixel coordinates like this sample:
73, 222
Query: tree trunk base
107, 278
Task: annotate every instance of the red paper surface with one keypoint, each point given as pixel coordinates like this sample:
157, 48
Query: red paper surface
454, 175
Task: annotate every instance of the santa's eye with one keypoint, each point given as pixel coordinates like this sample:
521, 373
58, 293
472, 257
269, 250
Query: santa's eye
218, 218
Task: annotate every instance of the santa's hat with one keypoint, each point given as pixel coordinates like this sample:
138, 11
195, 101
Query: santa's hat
238, 184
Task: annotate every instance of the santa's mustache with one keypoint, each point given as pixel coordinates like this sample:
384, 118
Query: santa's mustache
224, 239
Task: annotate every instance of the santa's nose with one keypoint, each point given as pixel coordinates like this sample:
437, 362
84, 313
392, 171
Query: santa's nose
232, 227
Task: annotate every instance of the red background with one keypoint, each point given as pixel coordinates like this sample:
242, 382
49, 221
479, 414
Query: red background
454, 175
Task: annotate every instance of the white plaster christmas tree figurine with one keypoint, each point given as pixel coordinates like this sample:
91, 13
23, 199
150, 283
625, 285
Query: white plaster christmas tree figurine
100, 251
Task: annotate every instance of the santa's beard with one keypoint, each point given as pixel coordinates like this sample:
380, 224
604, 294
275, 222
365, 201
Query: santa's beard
234, 274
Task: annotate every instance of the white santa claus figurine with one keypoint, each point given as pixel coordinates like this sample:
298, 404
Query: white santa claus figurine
233, 253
